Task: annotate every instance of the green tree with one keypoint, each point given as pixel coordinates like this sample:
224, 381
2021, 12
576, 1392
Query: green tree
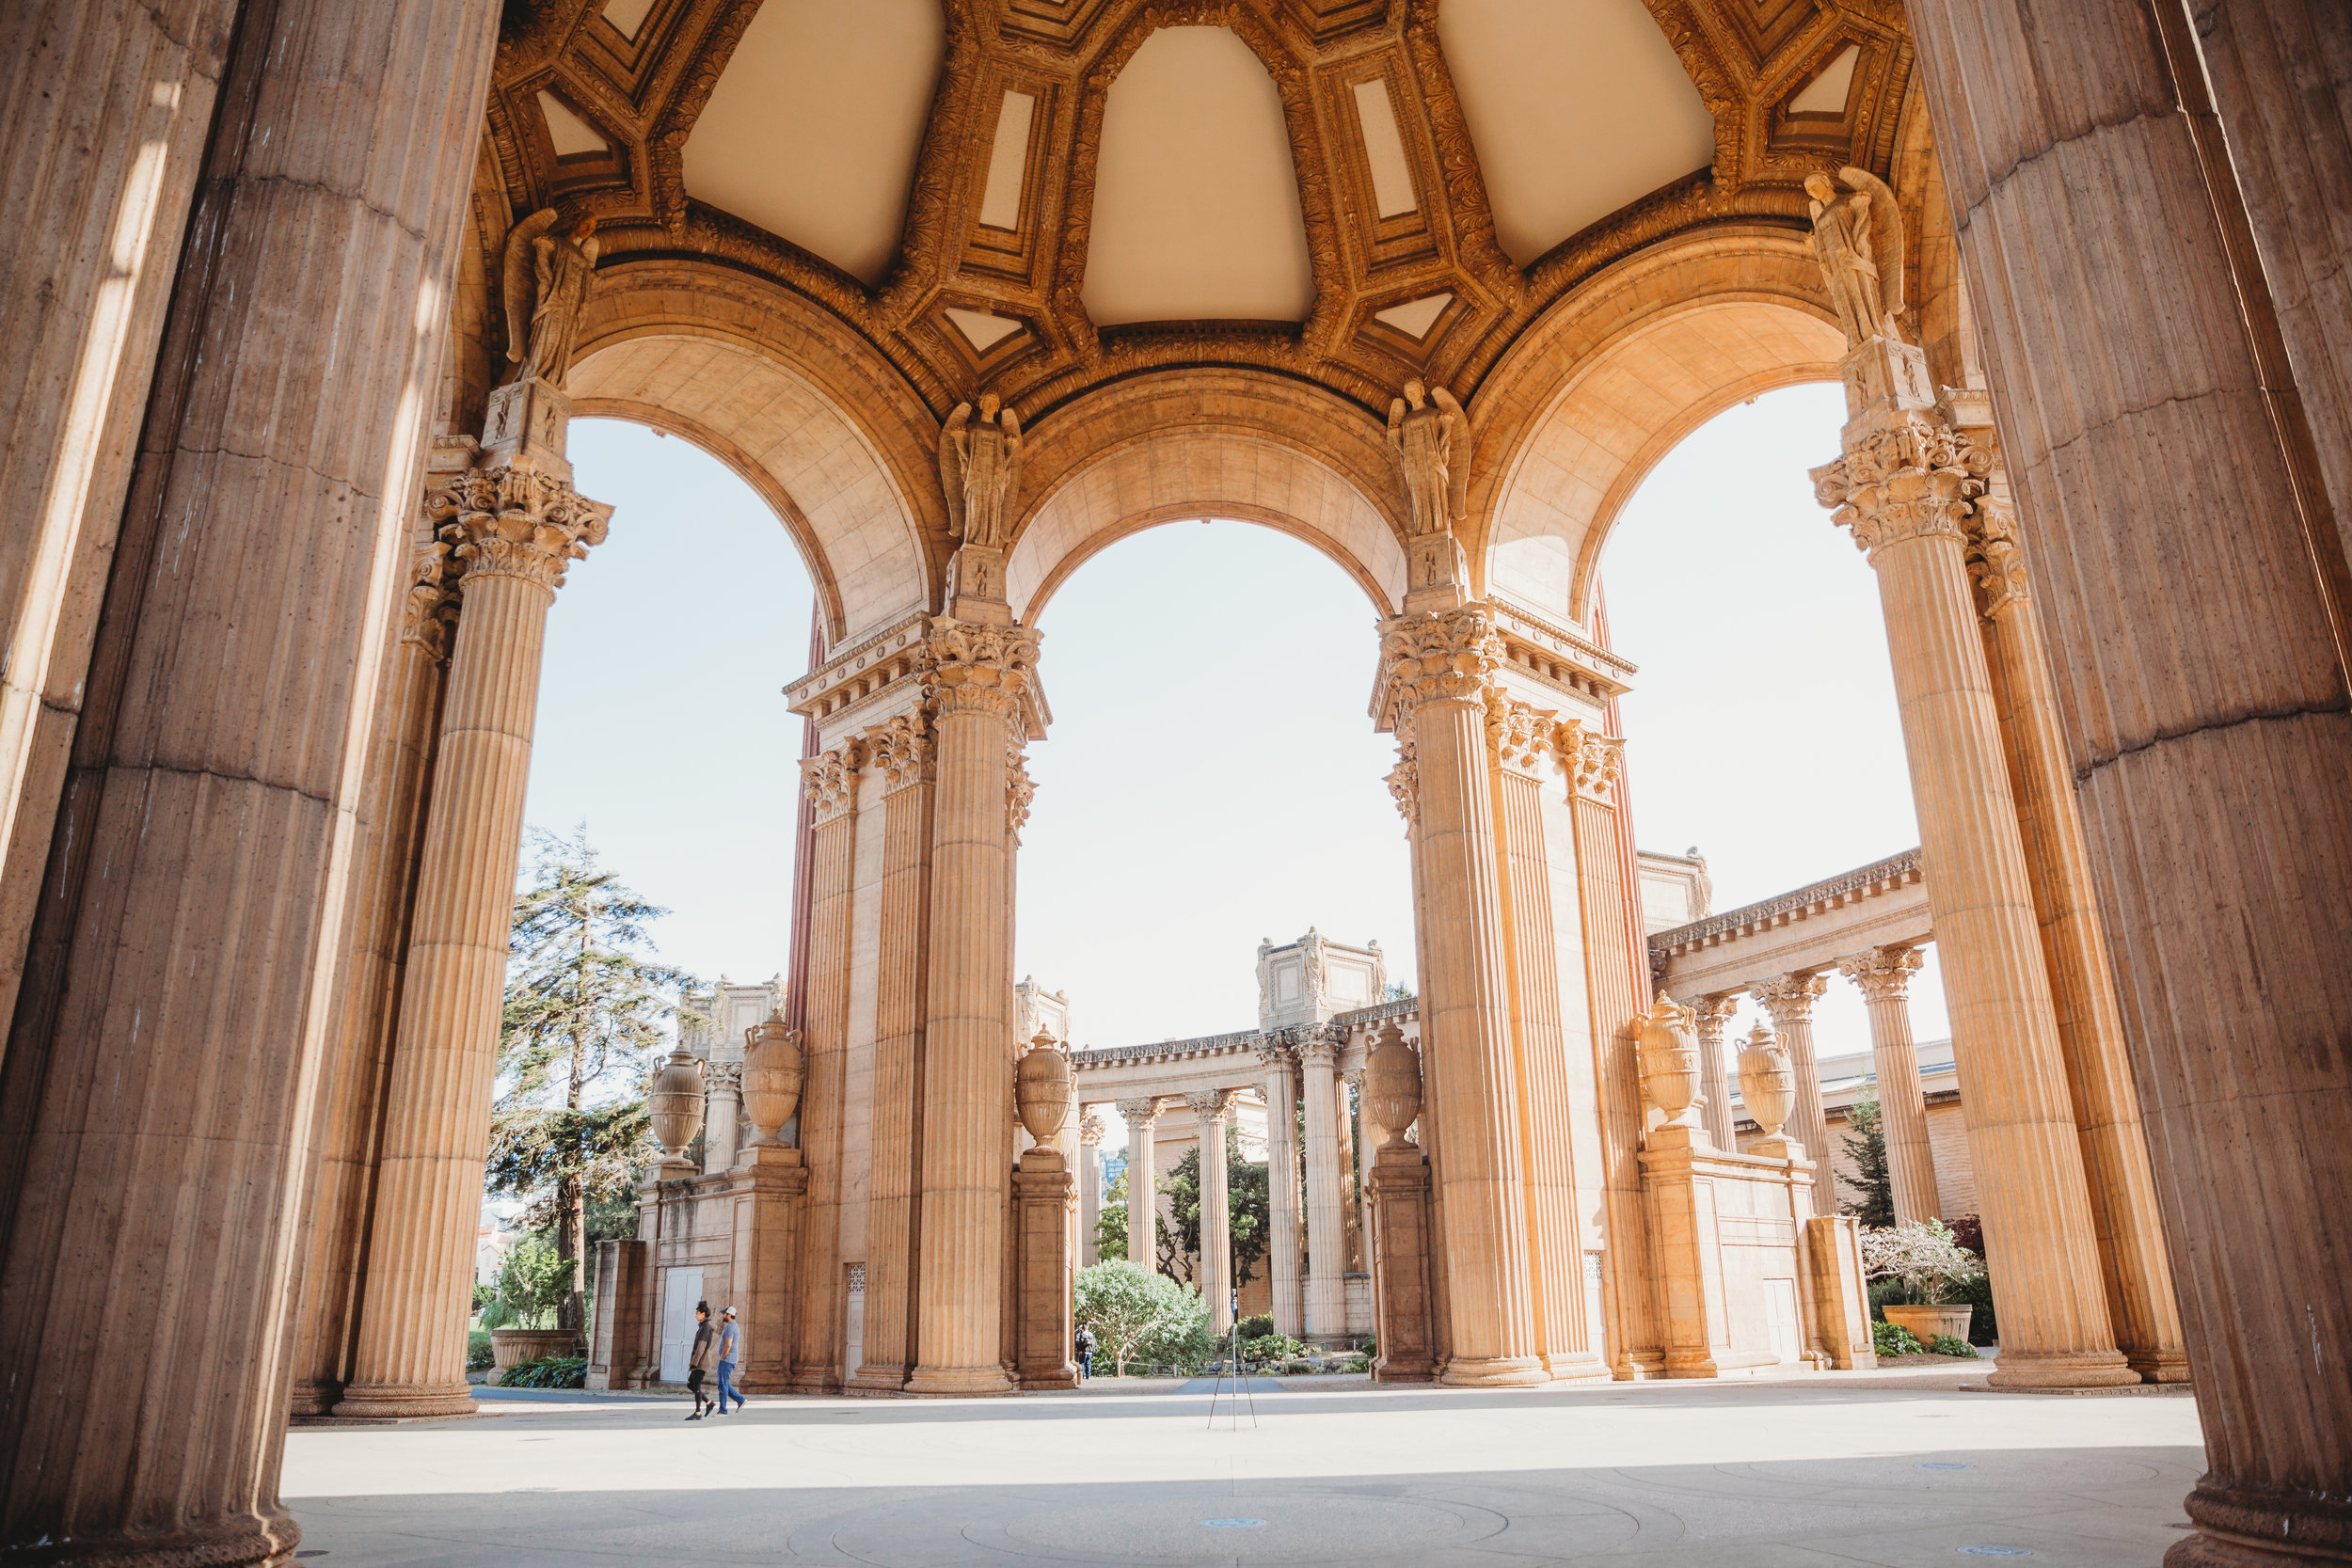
1139, 1314
1247, 1211
533, 1285
585, 1010
1866, 1144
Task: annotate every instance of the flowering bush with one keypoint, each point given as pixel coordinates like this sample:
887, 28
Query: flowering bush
1926, 1259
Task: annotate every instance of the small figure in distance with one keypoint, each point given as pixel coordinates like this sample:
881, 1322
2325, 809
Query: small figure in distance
698, 1364
730, 1351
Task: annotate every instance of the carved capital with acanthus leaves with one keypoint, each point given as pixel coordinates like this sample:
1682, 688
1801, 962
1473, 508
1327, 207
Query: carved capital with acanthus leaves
516, 522
1439, 655
1404, 783
1020, 790
1521, 736
1910, 476
1593, 762
1882, 974
900, 748
428, 619
1995, 560
977, 669
829, 779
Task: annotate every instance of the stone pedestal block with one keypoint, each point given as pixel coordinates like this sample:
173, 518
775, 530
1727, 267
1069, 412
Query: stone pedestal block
620, 1354
1406, 1328
767, 1188
1841, 1297
1042, 1191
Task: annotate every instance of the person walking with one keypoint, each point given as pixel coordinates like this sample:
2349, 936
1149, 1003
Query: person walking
1085, 1353
698, 1364
730, 1351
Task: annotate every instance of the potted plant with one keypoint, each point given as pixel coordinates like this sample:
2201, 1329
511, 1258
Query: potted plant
1932, 1268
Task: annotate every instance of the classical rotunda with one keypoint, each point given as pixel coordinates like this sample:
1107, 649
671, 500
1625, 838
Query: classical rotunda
301, 297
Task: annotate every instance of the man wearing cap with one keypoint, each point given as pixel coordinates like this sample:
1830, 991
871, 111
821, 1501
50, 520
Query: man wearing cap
730, 1348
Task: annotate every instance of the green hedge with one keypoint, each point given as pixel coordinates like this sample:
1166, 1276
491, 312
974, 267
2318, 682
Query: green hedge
556, 1371
480, 1356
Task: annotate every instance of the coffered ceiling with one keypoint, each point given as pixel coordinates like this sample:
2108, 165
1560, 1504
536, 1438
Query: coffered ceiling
1038, 197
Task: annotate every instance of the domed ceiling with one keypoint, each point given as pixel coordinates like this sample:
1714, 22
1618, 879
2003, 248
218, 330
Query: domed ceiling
1036, 197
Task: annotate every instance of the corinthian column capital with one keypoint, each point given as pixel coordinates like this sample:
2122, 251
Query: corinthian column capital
1437, 656
1212, 1105
1319, 1045
977, 669
1138, 1113
901, 749
1522, 735
1020, 790
1091, 1132
1710, 1014
1593, 762
1789, 997
517, 523
1404, 783
1273, 1048
1995, 558
830, 778
1882, 974
1904, 475
428, 620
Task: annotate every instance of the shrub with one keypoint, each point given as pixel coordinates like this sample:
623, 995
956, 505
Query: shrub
1263, 1348
1137, 1315
1256, 1326
480, 1357
1358, 1363
1926, 1258
556, 1371
1894, 1339
532, 1282
1943, 1344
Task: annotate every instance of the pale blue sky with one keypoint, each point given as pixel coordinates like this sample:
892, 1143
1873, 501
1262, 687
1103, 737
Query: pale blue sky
1212, 776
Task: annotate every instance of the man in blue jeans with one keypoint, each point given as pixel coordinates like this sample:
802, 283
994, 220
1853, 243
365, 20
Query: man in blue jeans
730, 1348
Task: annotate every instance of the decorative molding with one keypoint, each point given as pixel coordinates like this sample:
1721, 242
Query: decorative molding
516, 522
429, 618
1211, 1104
1437, 656
991, 669
902, 750
1789, 997
1404, 782
1522, 736
1020, 790
1882, 974
1138, 1113
829, 779
1879, 877
1594, 763
1910, 477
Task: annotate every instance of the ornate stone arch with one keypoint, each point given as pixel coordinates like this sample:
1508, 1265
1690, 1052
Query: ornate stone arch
1613, 376
830, 434
1245, 445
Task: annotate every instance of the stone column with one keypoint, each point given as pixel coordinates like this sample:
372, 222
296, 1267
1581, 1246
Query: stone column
1788, 998
1090, 1134
1142, 1118
1326, 1272
829, 782
515, 528
722, 1103
1281, 1159
1212, 1111
1904, 488
399, 777
1882, 976
1358, 1167
2140, 1302
2128, 328
1438, 668
900, 756
1709, 1015
1040, 1195
982, 678
159, 1088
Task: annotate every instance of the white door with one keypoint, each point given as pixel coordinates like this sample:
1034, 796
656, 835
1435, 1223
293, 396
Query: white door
680, 1290
1780, 1316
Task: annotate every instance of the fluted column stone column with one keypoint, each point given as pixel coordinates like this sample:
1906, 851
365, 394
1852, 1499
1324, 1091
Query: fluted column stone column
831, 783
1358, 1167
1091, 1134
722, 1105
1326, 1269
1438, 668
1212, 1111
1719, 1070
158, 1094
1142, 1118
1905, 486
1790, 998
2131, 325
1882, 976
515, 528
980, 681
1283, 1244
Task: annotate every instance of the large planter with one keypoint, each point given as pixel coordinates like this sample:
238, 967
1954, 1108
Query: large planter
512, 1347
1042, 1089
1926, 1323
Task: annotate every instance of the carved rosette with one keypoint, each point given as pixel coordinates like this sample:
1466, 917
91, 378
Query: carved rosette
979, 669
1882, 974
1404, 782
517, 523
1593, 763
1521, 736
1447, 655
429, 619
901, 749
831, 779
1910, 477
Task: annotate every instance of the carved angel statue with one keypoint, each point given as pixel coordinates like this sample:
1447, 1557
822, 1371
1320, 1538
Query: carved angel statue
1432, 438
547, 280
978, 463
1859, 243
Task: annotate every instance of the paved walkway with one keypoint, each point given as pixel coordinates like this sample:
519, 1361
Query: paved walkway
1900, 1469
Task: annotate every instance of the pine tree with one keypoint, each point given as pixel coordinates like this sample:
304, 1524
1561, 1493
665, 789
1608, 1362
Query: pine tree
1866, 1143
585, 1013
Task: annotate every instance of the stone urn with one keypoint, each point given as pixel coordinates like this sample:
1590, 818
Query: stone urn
674, 1104
772, 1070
1766, 1083
1042, 1089
1392, 1083
1670, 1062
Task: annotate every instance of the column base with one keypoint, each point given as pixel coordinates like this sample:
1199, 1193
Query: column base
313, 1395
1046, 1383
406, 1402
2061, 1370
245, 1541
1587, 1368
959, 1383
1494, 1371
876, 1382
1639, 1365
2255, 1527
2160, 1365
